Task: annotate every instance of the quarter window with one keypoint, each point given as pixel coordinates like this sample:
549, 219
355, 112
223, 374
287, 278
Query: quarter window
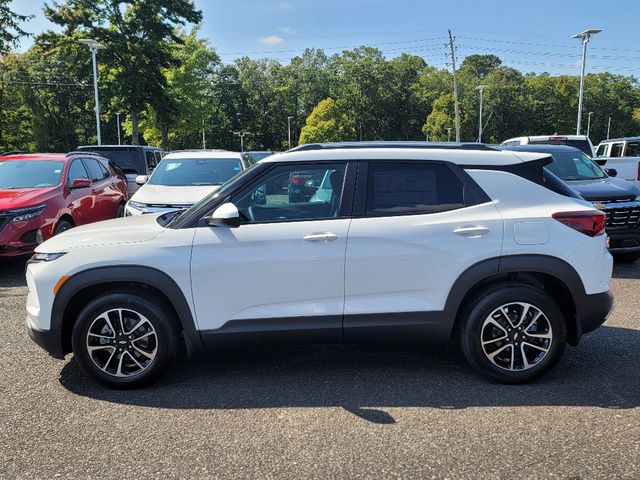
293, 192
397, 189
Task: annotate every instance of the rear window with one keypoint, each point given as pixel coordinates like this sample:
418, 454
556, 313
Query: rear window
583, 145
126, 159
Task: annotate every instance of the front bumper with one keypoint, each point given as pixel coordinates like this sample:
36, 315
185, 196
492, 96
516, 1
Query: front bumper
624, 241
49, 340
591, 312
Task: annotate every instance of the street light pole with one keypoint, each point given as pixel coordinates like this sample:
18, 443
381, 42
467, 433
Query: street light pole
480, 88
118, 117
585, 37
608, 128
94, 47
589, 124
242, 135
448, 134
289, 128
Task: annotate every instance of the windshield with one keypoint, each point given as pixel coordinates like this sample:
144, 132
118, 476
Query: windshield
30, 174
127, 159
583, 145
195, 171
574, 165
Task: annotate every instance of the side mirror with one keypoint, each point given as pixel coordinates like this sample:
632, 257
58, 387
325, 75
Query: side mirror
612, 172
80, 183
226, 215
142, 179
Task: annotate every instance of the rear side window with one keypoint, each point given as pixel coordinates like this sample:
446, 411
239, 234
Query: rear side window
583, 145
151, 159
412, 188
633, 149
602, 150
76, 170
96, 173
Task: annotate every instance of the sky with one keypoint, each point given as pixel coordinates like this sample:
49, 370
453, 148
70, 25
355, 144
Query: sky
532, 36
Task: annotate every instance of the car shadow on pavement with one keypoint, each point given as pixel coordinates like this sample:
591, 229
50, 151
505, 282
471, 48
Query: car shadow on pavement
368, 380
12, 273
627, 270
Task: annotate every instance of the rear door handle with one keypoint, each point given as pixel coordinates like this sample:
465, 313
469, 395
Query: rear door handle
472, 232
320, 237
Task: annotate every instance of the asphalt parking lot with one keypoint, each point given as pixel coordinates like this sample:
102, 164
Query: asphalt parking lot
324, 412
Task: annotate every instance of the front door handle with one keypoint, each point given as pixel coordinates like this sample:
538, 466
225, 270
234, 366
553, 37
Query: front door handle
321, 237
472, 232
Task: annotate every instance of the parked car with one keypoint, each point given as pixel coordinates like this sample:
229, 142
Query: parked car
44, 194
183, 178
618, 199
133, 160
621, 154
417, 242
578, 141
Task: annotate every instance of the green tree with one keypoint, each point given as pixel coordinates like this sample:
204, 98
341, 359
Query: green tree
327, 123
440, 118
10, 27
138, 36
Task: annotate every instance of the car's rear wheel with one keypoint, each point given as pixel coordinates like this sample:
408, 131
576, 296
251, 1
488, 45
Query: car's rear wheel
626, 257
62, 226
513, 333
120, 211
123, 339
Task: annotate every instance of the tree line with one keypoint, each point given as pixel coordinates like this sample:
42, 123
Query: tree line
172, 89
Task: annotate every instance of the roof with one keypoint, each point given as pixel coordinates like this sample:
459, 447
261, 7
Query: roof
621, 139
463, 154
112, 147
543, 148
34, 156
203, 154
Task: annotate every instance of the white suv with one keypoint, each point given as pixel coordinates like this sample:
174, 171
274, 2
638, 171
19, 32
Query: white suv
581, 142
182, 178
415, 242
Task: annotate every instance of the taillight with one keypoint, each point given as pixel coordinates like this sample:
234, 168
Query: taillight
589, 222
557, 138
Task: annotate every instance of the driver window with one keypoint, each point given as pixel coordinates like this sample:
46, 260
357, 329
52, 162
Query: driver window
293, 192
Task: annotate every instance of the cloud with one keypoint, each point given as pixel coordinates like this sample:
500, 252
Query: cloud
283, 5
271, 40
286, 30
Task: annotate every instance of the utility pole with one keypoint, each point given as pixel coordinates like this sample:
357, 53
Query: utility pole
289, 128
608, 128
455, 85
480, 88
589, 124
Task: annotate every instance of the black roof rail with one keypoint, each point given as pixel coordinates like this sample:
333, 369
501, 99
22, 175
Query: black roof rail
6, 154
390, 144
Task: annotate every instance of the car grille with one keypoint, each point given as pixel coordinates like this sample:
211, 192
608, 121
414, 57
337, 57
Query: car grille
622, 216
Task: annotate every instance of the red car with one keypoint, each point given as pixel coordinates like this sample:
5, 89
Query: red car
42, 195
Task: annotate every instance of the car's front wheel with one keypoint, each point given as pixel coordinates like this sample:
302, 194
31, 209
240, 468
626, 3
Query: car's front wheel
513, 333
125, 339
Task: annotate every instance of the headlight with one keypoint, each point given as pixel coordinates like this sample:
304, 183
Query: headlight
45, 257
22, 214
137, 205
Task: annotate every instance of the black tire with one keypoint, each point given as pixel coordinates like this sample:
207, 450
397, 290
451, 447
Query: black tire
120, 211
136, 305
486, 303
626, 257
62, 226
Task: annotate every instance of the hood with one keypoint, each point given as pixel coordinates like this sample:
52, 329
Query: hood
605, 189
126, 230
11, 198
168, 195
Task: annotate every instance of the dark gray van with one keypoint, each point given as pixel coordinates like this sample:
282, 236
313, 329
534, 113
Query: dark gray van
134, 160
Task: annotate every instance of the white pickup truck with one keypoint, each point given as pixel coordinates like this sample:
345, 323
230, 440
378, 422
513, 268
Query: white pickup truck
621, 155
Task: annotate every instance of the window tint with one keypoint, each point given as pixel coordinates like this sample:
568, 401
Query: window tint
76, 170
633, 149
96, 173
616, 149
125, 158
105, 171
290, 192
158, 155
397, 188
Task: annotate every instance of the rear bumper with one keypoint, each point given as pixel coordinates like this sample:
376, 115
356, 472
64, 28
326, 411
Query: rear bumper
49, 340
591, 312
